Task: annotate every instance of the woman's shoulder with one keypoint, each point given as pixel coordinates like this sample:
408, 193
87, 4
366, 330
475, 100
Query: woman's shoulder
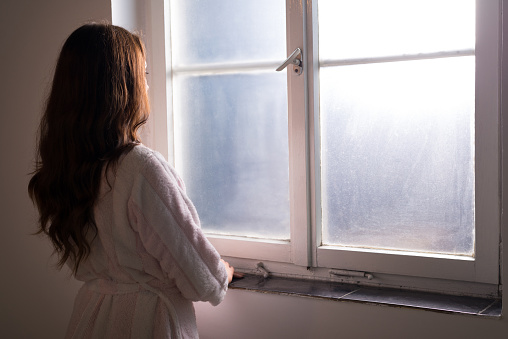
143, 159
140, 155
143, 162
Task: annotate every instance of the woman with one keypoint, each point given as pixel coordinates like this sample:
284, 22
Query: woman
115, 211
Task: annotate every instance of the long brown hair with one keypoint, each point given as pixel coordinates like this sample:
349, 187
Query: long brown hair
98, 100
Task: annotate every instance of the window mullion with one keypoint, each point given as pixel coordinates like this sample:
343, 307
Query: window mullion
298, 146
487, 142
312, 64
395, 58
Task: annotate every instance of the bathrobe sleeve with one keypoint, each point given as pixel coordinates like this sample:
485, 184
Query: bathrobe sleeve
169, 229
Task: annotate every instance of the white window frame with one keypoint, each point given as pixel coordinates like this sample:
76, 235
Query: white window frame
304, 255
484, 267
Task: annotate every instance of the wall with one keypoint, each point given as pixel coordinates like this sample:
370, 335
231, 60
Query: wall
251, 315
35, 299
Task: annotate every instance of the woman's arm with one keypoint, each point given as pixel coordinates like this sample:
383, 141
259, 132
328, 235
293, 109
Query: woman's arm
169, 228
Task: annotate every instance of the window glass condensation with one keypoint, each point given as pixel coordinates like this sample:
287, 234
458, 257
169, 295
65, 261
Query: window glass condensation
230, 114
397, 134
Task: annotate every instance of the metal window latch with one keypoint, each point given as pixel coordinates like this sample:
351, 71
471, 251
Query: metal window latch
296, 59
262, 270
348, 273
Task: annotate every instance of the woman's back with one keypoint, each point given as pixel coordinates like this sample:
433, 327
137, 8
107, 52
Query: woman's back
148, 260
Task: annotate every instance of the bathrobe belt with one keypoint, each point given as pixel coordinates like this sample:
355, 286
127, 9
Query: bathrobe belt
105, 286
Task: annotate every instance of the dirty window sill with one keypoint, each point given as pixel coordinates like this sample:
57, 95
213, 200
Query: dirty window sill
487, 307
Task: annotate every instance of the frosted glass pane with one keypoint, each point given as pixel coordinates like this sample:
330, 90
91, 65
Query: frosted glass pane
211, 31
398, 155
232, 150
372, 28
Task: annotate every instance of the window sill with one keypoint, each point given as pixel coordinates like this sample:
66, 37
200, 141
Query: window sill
486, 307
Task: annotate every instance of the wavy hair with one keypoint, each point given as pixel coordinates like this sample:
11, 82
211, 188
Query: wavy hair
97, 102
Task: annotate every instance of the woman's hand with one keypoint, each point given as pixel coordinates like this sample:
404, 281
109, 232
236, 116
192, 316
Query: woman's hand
230, 269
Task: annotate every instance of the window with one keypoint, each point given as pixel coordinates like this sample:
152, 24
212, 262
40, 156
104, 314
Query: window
397, 125
382, 156
230, 114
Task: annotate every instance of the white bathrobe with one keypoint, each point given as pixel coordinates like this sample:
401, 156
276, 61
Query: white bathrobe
149, 260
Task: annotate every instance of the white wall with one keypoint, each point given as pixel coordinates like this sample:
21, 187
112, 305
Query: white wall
35, 300
251, 315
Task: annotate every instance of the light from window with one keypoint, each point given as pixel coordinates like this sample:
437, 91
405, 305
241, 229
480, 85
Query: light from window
230, 114
365, 29
397, 134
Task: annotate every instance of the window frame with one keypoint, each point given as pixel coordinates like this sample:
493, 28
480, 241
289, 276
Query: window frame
304, 256
484, 267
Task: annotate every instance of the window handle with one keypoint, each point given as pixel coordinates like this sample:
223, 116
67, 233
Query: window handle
296, 59
260, 267
349, 273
